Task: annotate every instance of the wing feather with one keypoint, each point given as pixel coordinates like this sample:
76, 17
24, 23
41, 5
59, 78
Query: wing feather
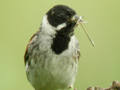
30, 47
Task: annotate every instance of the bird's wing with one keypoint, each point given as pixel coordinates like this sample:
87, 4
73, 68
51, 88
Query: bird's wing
77, 56
30, 47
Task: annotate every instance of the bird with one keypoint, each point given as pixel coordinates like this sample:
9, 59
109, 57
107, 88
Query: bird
52, 54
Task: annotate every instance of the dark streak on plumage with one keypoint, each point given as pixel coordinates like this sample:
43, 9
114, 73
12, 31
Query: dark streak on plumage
56, 16
28, 51
62, 38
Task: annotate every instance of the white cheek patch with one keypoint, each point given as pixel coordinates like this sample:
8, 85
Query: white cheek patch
46, 27
59, 27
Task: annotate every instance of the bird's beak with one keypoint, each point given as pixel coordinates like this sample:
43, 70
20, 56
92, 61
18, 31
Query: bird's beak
75, 18
80, 21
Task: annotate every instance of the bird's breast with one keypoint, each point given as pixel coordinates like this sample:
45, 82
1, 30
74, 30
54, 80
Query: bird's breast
54, 69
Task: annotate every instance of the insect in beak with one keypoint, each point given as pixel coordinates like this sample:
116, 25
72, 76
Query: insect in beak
79, 21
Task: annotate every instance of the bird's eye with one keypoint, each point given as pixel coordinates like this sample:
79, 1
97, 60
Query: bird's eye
61, 14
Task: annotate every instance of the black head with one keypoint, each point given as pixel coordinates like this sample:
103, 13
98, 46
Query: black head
60, 14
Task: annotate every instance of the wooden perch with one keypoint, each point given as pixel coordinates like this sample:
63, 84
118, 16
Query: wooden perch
115, 86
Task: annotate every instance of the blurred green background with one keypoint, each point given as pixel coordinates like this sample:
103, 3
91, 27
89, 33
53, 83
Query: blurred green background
98, 66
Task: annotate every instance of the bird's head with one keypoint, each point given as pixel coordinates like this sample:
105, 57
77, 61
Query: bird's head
60, 18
